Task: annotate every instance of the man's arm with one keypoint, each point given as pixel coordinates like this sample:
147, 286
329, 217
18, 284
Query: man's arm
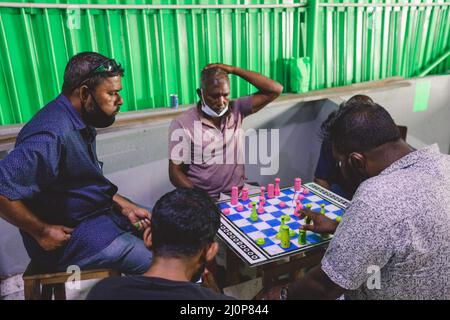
268, 89
178, 176
179, 155
360, 242
315, 285
138, 216
49, 237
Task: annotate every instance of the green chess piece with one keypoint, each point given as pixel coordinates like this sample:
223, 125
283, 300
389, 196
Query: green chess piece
308, 220
284, 218
302, 237
291, 233
322, 208
285, 239
254, 214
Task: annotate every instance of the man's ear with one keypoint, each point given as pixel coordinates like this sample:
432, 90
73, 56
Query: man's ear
83, 93
358, 162
147, 237
212, 251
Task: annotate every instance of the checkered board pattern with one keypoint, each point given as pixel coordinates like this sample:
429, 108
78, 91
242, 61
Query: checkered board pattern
240, 233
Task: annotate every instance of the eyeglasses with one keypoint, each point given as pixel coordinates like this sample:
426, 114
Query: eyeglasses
109, 65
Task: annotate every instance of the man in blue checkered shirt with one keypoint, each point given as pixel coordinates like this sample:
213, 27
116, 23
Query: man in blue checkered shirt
52, 186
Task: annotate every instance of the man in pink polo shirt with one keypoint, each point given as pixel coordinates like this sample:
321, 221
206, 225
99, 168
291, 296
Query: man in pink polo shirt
205, 142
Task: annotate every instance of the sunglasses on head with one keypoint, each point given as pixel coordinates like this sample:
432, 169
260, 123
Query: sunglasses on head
109, 65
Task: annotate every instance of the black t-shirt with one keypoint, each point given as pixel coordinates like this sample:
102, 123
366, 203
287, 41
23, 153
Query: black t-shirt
150, 288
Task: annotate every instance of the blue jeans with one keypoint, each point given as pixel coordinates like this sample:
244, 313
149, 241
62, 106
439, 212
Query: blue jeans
126, 253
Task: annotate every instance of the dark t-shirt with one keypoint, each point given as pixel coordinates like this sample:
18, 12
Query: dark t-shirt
150, 288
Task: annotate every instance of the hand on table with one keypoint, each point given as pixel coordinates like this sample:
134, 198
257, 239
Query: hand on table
321, 223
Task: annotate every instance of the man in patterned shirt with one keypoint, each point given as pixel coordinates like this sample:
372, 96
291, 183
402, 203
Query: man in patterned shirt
394, 239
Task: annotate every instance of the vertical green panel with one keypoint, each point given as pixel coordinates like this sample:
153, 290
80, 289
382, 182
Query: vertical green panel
9, 97
377, 49
314, 14
349, 46
413, 45
254, 46
328, 47
164, 56
384, 30
358, 46
148, 82
129, 55
246, 44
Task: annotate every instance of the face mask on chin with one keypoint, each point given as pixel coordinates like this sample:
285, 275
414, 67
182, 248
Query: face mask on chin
96, 117
210, 112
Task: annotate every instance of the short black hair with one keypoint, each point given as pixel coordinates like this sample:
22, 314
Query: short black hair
79, 67
211, 74
183, 222
359, 125
359, 98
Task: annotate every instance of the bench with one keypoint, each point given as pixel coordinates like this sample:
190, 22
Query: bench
41, 285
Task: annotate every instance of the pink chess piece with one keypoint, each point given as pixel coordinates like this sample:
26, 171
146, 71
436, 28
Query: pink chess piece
263, 189
250, 205
240, 208
277, 187
298, 207
297, 184
261, 205
300, 197
270, 191
226, 211
305, 191
244, 196
282, 204
234, 195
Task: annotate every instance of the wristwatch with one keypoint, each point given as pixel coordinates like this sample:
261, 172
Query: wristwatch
284, 293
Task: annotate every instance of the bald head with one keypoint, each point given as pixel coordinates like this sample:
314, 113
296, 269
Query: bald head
213, 77
214, 88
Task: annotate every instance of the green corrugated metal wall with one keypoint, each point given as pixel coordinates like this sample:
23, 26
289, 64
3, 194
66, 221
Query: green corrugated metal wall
163, 50
358, 44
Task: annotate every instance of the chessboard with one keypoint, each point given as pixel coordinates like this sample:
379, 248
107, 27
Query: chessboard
241, 233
